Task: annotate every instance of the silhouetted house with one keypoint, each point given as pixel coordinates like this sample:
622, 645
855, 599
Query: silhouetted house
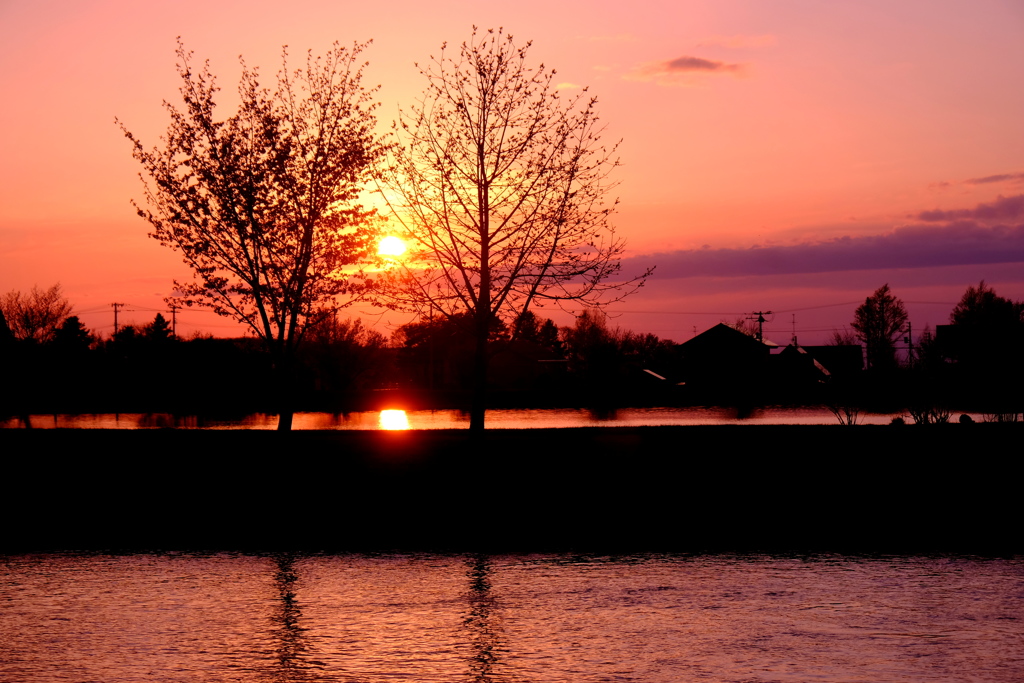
724, 364
799, 374
795, 367
840, 361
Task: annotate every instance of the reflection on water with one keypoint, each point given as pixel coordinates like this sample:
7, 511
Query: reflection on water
454, 419
290, 649
393, 420
510, 619
482, 629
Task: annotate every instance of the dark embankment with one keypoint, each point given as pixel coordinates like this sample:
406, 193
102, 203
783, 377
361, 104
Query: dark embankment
947, 488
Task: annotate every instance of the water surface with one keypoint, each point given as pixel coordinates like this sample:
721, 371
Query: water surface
656, 618
454, 419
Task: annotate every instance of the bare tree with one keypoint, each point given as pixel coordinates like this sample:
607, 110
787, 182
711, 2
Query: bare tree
746, 325
843, 337
844, 410
879, 321
37, 315
263, 205
927, 411
499, 183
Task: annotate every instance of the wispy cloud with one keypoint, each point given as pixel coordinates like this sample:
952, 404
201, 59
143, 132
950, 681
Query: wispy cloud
1009, 178
678, 71
999, 178
569, 86
739, 42
698, 64
1002, 209
916, 246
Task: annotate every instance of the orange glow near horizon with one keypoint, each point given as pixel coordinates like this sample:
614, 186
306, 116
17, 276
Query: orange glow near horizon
774, 156
393, 420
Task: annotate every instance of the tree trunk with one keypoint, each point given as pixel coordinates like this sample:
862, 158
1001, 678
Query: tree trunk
483, 309
284, 392
478, 405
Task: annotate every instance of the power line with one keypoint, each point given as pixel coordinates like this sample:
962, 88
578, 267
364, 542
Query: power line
781, 310
814, 308
680, 312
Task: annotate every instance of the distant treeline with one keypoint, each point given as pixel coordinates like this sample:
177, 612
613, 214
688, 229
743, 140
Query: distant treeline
52, 364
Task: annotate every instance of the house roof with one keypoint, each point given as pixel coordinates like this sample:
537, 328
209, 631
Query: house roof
721, 338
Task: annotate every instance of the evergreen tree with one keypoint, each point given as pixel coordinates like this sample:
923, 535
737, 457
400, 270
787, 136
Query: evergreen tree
159, 330
72, 335
879, 321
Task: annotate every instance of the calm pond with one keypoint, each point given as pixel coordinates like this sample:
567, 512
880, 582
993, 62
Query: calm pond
505, 619
455, 419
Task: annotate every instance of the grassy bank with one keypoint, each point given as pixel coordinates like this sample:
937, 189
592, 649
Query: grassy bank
946, 488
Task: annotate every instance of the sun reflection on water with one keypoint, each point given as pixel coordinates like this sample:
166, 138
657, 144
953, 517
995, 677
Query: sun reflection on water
393, 419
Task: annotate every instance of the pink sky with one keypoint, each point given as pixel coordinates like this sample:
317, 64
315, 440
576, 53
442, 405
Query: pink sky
785, 155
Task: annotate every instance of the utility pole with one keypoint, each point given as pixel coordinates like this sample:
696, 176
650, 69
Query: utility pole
909, 341
116, 308
760, 322
174, 320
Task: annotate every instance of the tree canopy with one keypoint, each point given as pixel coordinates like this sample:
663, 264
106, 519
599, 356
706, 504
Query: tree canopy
72, 335
879, 321
35, 316
499, 183
263, 205
981, 306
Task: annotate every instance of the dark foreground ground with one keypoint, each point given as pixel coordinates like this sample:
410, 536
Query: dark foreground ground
946, 488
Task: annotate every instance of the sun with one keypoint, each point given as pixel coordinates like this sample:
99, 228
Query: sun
391, 246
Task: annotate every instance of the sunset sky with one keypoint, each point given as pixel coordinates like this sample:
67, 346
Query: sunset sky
785, 155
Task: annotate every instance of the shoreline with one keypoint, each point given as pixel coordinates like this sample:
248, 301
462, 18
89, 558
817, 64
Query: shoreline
703, 488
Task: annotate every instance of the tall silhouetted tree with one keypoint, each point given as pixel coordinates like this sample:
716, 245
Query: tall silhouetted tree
985, 339
500, 182
262, 205
879, 321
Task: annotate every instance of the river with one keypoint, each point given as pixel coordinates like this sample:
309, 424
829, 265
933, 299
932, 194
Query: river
503, 619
